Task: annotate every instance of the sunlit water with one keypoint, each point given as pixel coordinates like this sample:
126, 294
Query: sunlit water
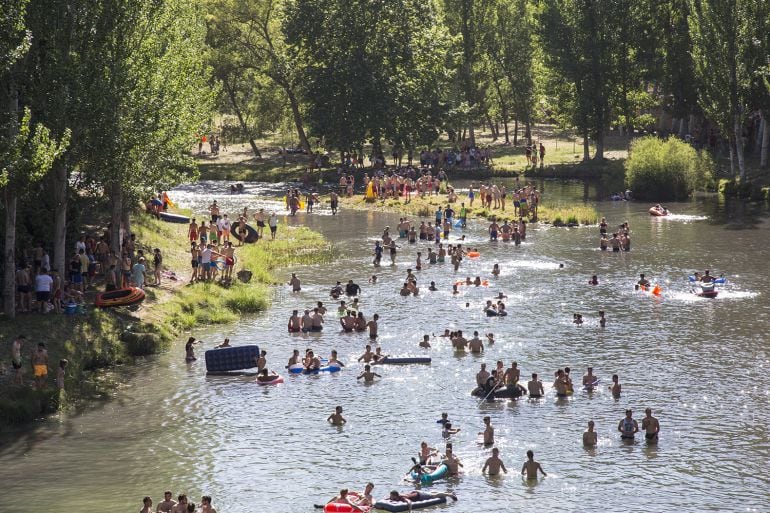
701, 364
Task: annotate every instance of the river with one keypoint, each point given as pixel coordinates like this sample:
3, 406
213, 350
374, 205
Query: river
701, 364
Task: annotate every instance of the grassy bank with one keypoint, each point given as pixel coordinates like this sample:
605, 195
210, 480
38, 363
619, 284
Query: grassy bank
194, 304
426, 207
104, 338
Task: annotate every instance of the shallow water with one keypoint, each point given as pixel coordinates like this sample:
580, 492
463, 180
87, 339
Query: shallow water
701, 364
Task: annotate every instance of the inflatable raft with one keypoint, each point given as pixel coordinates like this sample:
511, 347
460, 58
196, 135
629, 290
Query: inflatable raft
658, 212
336, 507
425, 501
251, 233
228, 359
509, 392
719, 281
439, 472
120, 297
174, 218
275, 381
390, 360
298, 368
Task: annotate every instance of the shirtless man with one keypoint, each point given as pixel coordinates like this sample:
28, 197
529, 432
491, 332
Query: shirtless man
590, 437
368, 375
311, 361
459, 342
342, 498
628, 427
482, 376
535, 387
489, 431
589, 380
494, 464
295, 325
214, 210
316, 321
206, 506
294, 359
531, 467
643, 282
147, 505
336, 418
475, 345
348, 322
651, 427
307, 322
372, 325
24, 288
39, 362
615, 387
561, 384
512, 375
451, 461
259, 217
294, 282
167, 504
261, 361
425, 342
368, 355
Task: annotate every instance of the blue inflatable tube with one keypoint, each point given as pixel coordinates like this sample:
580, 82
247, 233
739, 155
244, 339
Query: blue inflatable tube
437, 474
228, 359
389, 360
299, 369
718, 281
425, 501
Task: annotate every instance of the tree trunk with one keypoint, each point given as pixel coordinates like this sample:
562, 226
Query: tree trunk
683, 128
731, 143
528, 131
116, 197
505, 127
471, 134
737, 126
586, 148
599, 156
241, 121
491, 127
765, 141
516, 132
297, 119
9, 277
60, 187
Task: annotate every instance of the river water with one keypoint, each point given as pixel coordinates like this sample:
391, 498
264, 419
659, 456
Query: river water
702, 365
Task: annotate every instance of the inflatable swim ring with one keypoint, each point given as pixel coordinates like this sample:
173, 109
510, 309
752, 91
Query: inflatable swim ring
439, 472
120, 297
298, 368
337, 507
473, 254
275, 381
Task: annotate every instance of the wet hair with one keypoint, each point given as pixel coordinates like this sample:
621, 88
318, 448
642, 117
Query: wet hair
146, 499
530, 454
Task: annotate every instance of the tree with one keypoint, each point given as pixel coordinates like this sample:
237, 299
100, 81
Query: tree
246, 38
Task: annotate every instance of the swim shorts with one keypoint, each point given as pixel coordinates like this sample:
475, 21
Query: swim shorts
41, 371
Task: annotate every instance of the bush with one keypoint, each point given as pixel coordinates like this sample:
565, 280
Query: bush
667, 170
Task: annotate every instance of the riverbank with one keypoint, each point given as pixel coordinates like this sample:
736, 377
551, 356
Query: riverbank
99, 339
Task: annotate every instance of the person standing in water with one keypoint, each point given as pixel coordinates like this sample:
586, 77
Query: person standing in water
494, 464
651, 427
531, 467
590, 437
628, 427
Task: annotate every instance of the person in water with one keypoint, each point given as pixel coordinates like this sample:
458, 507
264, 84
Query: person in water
594, 280
448, 430
342, 498
368, 375
650, 426
189, 349
589, 380
425, 342
425, 453
451, 461
615, 387
264, 377
590, 437
602, 319
535, 387
643, 282
489, 432
531, 467
417, 495
628, 427
336, 418
494, 464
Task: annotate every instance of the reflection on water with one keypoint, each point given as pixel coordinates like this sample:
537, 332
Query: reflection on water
700, 364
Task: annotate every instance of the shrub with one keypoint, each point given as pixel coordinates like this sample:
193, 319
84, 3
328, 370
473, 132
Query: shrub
666, 170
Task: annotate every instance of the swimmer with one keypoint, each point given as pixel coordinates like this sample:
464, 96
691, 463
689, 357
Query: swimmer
602, 319
448, 430
425, 342
311, 362
531, 467
590, 437
459, 342
615, 387
226, 343
373, 279
261, 361
294, 359
333, 359
475, 345
417, 495
651, 427
494, 464
372, 325
628, 427
454, 290
444, 419
589, 380
342, 498
451, 461
643, 282
189, 352
446, 333
594, 280
368, 355
405, 290
425, 453
368, 375
477, 281
535, 387
561, 384
489, 431
500, 295
336, 418
433, 287
490, 338
577, 319
496, 270
266, 377
366, 496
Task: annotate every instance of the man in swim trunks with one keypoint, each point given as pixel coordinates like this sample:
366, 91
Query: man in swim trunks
307, 322
590, 437
494, 464
535, 387
316, 321
628, 427
615, 387
39, 362
561, 384
368, 355
259, 217
261, 361
589, 380
295, 324
475, 345
459, 342
651, 427
372, 325
451, 461
489, 431
368, 375
531, 467
482, 376
336, 418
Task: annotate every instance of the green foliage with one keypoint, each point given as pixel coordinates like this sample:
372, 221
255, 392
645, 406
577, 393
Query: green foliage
667, 170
